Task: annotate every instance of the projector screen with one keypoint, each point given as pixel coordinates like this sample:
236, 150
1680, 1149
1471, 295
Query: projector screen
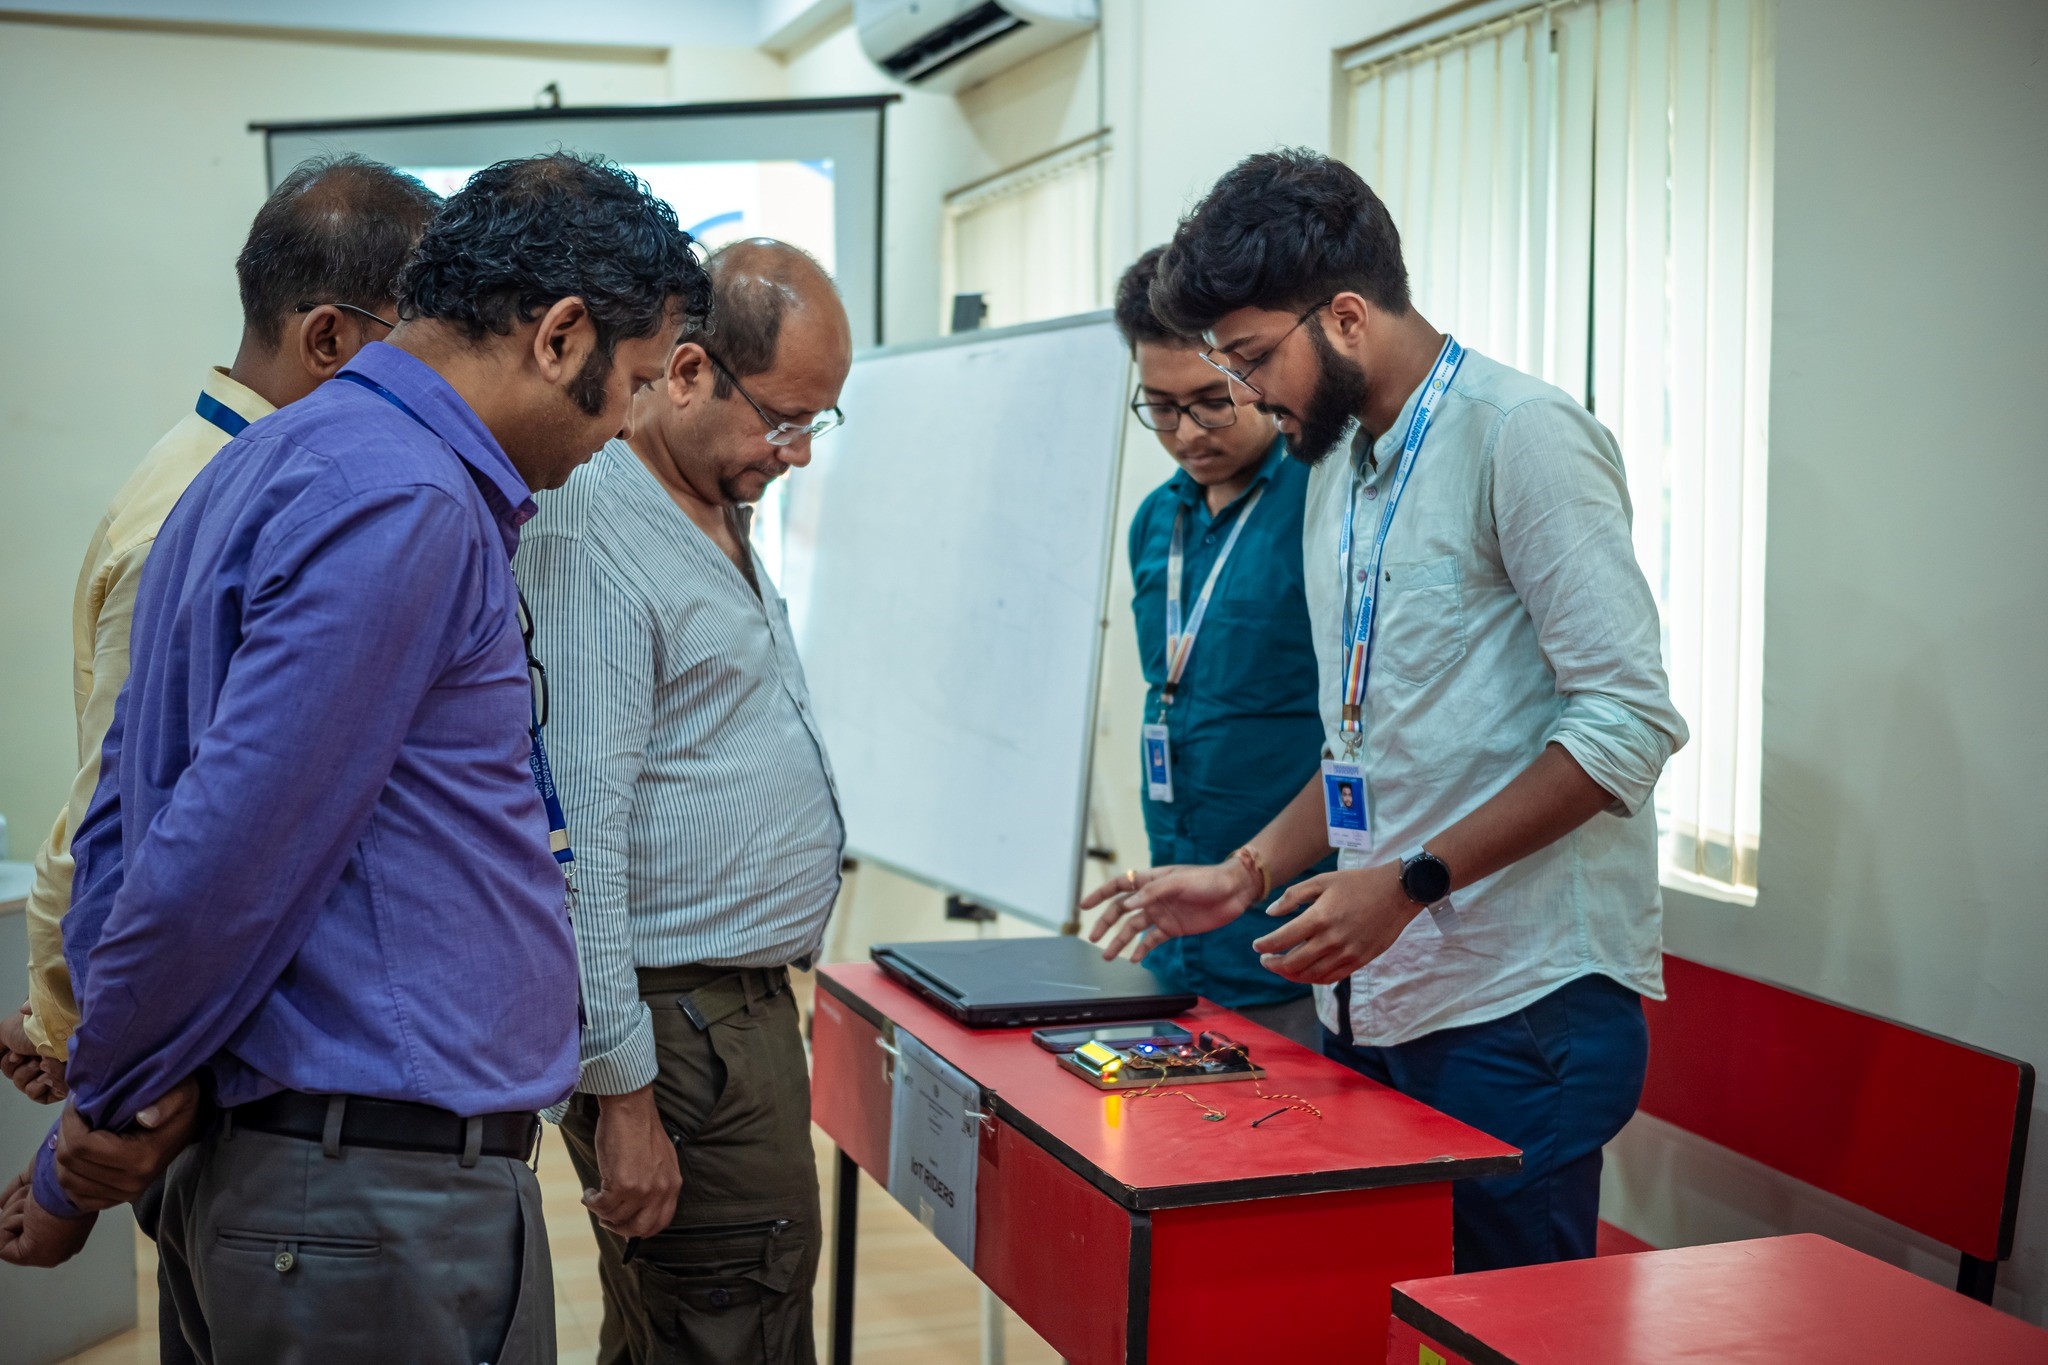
806, 171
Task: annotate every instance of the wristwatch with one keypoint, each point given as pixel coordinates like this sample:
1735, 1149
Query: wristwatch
1425, 877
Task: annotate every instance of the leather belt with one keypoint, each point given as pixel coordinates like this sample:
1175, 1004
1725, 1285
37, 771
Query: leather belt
337, 1121
707, 995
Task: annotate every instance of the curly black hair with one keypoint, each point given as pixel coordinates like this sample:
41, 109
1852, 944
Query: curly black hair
1134, 315
1281, 230
525, 234
338, 229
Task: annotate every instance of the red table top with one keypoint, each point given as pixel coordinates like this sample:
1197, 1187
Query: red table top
1778, 1299
1160, 1152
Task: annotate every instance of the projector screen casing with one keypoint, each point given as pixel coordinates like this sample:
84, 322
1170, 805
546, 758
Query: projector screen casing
848, 132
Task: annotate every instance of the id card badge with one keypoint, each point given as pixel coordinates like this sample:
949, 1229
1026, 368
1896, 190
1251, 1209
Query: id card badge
1158, 764
1344, 806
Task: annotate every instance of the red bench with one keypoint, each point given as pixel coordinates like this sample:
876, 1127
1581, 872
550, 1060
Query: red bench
1799, 1299
1928, 1132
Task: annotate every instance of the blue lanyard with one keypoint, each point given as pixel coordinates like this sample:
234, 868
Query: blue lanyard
537, 760
1358, 624
221, 415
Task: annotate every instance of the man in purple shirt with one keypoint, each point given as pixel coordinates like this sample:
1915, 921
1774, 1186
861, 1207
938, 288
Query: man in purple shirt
316, 878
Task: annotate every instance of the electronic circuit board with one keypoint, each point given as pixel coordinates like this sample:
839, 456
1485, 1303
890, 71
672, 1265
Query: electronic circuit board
1115, 1068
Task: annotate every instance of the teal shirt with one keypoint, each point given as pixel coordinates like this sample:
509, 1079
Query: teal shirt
1243, 728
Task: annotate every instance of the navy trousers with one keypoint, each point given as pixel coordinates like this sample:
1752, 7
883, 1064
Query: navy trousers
1557, 1079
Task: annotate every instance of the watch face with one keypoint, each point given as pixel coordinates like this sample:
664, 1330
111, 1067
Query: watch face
1426, 879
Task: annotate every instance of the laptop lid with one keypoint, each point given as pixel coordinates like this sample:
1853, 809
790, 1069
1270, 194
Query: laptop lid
1017, 981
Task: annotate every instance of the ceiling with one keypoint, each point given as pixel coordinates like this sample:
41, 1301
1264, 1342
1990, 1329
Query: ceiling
628, 23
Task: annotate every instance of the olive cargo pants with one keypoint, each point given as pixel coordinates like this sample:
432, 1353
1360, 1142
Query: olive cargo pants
729, 1281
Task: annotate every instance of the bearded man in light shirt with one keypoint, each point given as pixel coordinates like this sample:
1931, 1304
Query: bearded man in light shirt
1493, 700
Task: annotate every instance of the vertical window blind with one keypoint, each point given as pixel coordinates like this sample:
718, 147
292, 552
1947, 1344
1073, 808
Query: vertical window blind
1583, 190
1028, 240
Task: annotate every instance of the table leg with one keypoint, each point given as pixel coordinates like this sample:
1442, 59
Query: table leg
992, 1344
845, 1235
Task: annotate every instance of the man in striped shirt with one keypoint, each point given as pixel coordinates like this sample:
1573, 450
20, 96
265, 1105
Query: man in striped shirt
706, 826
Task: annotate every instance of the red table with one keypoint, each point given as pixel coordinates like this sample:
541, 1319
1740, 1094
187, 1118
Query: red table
1799, 1299
1133, 1231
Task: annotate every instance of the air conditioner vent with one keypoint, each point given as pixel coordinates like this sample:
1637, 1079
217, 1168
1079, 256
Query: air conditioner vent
942, 47
953, 44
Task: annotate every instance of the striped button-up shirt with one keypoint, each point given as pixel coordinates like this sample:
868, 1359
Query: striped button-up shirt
700, 801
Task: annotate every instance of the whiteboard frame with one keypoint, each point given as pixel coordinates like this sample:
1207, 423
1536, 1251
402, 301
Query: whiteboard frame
1083, 797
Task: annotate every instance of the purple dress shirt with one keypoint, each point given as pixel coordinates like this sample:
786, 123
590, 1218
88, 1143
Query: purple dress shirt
316, 859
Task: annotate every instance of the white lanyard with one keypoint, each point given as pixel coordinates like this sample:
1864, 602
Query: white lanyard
1180, 644
1358, 625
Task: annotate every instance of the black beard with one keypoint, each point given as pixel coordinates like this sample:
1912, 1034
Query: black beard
1339, 397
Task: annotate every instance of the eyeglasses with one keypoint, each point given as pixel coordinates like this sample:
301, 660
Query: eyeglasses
1244, 376
536, 676
347, 308
781, 433
1208, 413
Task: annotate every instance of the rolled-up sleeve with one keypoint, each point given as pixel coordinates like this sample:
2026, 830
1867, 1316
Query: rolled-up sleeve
598, 648
1561, 506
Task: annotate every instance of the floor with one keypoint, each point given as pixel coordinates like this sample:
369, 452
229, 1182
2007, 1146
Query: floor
917, 1305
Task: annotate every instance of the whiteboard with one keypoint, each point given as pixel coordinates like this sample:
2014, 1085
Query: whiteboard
945, 558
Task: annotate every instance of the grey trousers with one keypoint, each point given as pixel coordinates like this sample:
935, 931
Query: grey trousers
280, 1254
170, 1342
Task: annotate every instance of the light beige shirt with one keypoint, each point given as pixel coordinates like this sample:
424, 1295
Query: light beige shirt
101, 609
1511, 615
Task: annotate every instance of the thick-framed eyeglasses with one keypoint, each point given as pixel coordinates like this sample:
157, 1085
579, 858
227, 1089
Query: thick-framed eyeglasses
781, 433
1210, 414
536, 675
346, 308
1244, 376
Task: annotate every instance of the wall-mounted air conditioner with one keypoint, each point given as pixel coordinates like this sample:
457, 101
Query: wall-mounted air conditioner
952, 44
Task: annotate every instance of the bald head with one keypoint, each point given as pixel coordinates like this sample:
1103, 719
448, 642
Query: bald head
761, 288
774, 354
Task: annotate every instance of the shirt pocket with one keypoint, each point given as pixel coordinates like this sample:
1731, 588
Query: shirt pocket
1422, 620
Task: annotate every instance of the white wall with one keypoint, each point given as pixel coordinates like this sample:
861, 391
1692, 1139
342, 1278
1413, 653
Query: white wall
131, 179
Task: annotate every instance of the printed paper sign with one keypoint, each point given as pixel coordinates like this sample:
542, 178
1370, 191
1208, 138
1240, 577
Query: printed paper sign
935, 1144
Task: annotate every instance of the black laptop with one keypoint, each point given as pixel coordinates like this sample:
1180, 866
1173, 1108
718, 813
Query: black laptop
1019, 982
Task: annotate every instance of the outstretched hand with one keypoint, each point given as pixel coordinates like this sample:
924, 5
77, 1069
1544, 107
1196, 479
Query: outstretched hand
1160, 903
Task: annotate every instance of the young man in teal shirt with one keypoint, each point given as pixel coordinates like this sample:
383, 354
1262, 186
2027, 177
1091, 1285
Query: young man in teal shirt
1231, 732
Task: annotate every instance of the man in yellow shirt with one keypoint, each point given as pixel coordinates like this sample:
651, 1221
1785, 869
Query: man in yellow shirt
318, 276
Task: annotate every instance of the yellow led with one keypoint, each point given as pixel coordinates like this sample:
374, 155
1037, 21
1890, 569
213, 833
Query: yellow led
1099, 1058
